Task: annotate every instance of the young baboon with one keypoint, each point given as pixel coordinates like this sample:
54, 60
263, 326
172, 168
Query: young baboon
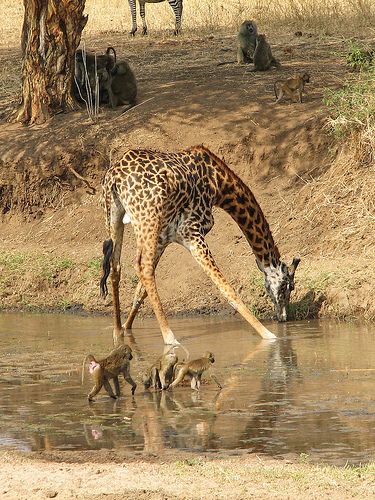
292, 87
263, 58
246, 42
120, 83
194, 370
102, 371
160, 374
87, 65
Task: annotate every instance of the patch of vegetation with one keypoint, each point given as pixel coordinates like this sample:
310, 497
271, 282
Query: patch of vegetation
352, 108
95, 264
360, 57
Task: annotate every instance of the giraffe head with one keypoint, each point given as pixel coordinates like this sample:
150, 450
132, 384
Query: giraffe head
279, 283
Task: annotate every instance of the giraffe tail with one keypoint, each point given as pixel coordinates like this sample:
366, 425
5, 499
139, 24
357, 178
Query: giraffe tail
107, 254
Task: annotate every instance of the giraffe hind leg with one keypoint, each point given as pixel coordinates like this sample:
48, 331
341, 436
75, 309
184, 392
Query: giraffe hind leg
107, 254
111, 261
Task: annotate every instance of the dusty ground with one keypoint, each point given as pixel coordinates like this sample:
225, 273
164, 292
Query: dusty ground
52, 229
110, 475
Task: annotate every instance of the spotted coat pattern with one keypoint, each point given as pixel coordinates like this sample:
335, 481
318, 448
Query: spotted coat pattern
169, 197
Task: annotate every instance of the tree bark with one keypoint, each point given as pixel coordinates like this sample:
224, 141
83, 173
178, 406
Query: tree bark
51, 33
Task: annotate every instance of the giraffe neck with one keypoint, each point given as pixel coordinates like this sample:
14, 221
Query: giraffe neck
238, 201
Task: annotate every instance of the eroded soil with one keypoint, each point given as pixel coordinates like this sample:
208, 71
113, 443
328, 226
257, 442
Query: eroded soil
52, 229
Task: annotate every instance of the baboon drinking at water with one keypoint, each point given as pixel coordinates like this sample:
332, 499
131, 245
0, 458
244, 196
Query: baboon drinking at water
160, 374
194, 370
102, 371
120, 84
292, 87
263, 58
87, 65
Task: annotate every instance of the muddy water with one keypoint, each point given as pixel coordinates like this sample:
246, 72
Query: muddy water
310, 394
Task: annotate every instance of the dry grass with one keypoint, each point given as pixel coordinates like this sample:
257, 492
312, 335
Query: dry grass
341, 16
344, 193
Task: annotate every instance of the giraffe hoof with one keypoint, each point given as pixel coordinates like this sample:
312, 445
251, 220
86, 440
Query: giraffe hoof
269, 335
172, 342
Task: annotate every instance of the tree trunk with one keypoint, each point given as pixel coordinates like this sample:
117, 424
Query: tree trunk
51, 33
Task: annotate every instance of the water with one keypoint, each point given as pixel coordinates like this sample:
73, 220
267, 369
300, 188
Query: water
309, 393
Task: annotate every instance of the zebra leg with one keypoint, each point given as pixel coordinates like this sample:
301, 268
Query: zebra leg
177, 9
133, 12
142, 10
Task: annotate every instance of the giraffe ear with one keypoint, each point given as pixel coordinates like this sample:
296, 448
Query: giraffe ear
260, 265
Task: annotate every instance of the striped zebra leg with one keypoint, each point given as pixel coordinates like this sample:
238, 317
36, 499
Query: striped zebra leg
177, 9
133, 12
142, 10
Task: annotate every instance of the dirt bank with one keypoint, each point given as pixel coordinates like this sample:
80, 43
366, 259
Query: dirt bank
52, 229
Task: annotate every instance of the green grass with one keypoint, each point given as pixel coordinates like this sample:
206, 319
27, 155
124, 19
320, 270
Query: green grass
360, 57
95, 264
352, 107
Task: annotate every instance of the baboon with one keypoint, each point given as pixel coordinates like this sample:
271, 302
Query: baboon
291, 87
102, 371
263, 58
194, 370
120, 83
246, 42
87, 65
160, 374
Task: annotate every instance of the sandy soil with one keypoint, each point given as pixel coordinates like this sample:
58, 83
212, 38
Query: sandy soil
110, 475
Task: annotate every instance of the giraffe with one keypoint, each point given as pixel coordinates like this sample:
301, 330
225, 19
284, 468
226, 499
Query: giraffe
168, 197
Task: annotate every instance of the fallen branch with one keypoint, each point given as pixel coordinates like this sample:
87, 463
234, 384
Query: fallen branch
79, 176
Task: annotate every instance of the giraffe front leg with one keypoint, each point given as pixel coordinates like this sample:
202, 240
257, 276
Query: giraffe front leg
141, 293
200, 251
139, 297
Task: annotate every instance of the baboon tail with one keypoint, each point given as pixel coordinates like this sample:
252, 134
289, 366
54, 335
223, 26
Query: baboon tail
107, 254
83, 367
